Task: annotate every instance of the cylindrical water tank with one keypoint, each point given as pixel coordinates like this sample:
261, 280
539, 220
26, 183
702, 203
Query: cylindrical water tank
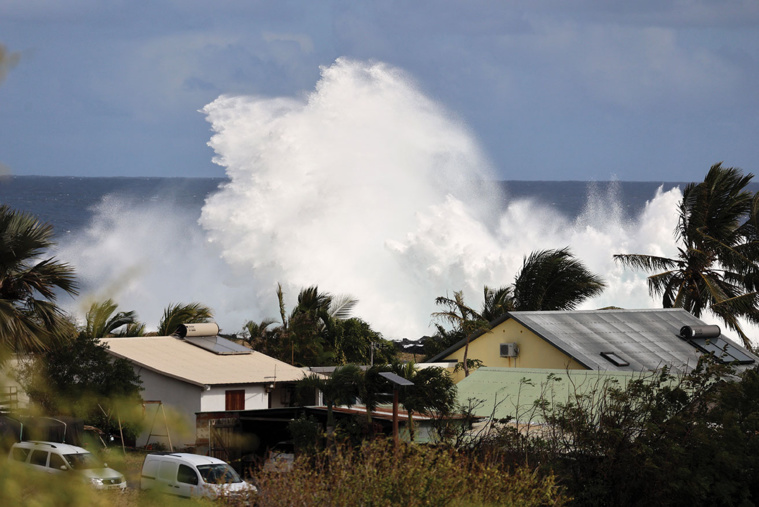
711, 331
201, 329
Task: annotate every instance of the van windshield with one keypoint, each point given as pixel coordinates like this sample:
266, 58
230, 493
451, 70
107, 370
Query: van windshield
82, 461
220, 473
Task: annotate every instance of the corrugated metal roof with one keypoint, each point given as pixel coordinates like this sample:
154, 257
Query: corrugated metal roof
176, 358
646, 339
512, 392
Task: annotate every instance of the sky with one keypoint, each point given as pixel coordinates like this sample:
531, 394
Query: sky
653, 90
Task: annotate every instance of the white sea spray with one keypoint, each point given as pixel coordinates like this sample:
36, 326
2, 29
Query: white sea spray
364, 187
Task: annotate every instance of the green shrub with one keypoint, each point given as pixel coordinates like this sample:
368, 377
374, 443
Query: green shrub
377, 474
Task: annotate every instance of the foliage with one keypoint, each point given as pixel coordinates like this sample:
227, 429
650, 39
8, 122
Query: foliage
80, 379
548, 280
306, 434
29, 318
102, 320
177, 314
553, 280
353, 341
341, 388
433, 392
464, 320
715, 267
662, 439
376, 474
319, 331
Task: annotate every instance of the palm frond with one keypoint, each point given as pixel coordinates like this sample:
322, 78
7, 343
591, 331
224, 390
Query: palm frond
647, 262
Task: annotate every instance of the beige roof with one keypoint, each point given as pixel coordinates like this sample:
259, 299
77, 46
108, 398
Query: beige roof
176, 358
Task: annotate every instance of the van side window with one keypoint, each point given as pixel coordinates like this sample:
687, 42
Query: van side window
20, 454
187, 475
39, 458
56, 461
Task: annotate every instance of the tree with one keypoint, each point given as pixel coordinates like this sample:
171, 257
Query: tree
463, 318
310, 330
496, 302
433, 391
353, 341
259, 337
176, 315
30, 320
341, 388
373, 388
548, 280
715, 267
553, 280
102, 320
81, 379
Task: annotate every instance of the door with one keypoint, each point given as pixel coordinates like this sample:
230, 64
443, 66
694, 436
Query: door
167, 478
57, 465
187, 481
38, 460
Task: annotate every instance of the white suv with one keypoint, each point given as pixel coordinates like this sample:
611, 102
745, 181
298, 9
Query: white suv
192, 475
55, 458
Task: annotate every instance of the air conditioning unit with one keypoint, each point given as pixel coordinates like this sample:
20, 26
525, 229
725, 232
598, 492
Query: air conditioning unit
509, 350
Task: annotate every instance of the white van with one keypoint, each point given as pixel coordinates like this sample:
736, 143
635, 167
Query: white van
55, 458
192, 475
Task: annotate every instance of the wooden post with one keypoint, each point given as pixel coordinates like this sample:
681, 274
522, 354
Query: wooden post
395, 416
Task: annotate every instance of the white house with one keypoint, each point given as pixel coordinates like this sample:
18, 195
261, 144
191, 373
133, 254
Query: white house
197, 371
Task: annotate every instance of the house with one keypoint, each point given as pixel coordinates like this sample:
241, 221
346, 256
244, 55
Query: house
195, 370
512, 393
605, 340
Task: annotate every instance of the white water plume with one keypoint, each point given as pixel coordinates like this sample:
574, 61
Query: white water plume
367, 188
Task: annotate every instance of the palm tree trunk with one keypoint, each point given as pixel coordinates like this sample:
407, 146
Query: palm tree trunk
466, 357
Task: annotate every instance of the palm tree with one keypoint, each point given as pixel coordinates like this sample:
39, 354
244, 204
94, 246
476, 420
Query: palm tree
464, 319
433, 391
102, 320
548, 280
178, 314
256, 332
373, 389
715, 267
553, 280
341, 388
496, 302
30, 320
310, 325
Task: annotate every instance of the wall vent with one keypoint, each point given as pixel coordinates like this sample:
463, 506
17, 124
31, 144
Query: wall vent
509, 350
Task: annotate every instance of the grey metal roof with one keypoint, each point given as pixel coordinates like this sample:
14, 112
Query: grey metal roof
646, 339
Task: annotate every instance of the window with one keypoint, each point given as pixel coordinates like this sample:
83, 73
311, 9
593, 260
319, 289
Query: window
20, 454
187, 475
614, 359
235, 400
56, 461
39, 458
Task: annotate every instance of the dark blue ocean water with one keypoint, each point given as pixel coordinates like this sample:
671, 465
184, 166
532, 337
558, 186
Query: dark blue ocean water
67, 202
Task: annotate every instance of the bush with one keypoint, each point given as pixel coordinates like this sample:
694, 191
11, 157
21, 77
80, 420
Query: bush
662, 439
377, 474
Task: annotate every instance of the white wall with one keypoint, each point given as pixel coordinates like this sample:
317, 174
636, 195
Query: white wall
214, 400
180, 402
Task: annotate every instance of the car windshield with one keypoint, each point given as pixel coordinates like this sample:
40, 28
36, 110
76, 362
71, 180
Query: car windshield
82, 461
220, 473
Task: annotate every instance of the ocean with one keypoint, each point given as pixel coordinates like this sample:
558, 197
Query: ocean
68, 203
151, 242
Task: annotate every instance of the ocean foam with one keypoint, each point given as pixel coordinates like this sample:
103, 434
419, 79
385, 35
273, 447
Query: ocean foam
365, 187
